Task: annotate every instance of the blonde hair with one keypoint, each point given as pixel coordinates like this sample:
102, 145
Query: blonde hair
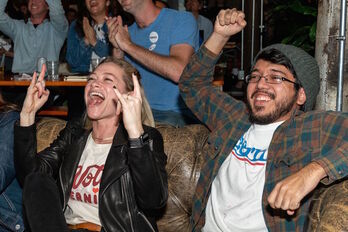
128, 69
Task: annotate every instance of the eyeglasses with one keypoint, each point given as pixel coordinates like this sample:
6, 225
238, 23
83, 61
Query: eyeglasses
270, 79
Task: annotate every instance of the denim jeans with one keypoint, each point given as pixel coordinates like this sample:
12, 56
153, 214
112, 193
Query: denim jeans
10, 191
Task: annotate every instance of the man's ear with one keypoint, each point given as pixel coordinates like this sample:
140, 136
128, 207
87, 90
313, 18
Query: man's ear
301, 97
108, 3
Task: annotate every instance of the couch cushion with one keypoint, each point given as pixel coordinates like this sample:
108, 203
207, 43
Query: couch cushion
47, 130
183, 147
330, 209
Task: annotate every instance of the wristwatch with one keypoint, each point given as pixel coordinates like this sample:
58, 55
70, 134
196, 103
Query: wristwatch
139, 142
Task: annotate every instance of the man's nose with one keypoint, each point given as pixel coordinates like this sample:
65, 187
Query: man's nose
262, 82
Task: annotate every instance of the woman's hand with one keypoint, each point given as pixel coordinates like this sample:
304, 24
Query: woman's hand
90, 36
131, 103
37, 95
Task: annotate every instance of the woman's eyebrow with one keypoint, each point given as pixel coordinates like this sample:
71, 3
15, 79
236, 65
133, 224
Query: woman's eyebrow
110, 74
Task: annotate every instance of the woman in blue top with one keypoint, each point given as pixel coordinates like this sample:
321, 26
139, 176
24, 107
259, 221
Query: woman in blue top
87, 38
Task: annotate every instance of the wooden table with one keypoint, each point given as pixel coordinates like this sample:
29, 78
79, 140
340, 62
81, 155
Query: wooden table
9, 81
61, 111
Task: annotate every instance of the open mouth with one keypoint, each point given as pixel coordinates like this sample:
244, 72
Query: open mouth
96, 98
262, 97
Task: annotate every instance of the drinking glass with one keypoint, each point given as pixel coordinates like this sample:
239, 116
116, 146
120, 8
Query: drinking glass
52, 70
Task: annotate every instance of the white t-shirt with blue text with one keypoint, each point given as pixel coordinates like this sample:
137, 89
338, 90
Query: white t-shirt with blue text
235, 201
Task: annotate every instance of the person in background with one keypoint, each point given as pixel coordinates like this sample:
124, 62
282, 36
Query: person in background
205, 26
265, 157
13, 10
160, 4
10, 192
108, 178
87, 38
23, 7
160, 44
71, 15
42, 36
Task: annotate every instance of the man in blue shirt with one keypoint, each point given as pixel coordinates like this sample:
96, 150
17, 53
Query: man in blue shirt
39, 37
159, 44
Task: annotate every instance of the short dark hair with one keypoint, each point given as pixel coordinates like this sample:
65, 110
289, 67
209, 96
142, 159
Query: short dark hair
276, 57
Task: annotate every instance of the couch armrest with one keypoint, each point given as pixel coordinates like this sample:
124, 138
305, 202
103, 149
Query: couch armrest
329, 209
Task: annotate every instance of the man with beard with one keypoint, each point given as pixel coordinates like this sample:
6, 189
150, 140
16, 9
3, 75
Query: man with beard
263, 159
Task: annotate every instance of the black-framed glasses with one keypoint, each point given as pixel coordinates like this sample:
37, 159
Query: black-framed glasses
270, 79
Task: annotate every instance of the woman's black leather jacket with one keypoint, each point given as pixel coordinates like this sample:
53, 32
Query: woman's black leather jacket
133, 186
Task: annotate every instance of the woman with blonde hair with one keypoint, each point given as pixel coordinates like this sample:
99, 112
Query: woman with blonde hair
109, 178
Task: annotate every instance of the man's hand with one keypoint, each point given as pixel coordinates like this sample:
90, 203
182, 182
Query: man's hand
288, 193
118, 34
228, 22
90, 36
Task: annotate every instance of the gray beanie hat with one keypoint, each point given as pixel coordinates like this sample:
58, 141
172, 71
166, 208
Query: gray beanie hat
306, 68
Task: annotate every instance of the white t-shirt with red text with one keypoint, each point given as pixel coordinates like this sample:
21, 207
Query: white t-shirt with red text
83, 202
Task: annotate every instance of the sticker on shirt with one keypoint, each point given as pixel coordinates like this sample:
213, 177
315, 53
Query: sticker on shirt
152, 47
251, 155
153, 37
86, 184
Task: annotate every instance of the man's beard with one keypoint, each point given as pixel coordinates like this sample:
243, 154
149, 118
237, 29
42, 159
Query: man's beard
281, 108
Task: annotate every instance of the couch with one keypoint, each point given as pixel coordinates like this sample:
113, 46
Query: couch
183, 147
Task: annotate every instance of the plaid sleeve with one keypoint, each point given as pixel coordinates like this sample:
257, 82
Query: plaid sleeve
207, 102
334, 147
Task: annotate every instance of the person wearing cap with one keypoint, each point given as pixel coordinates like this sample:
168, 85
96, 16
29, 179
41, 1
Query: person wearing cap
263, 158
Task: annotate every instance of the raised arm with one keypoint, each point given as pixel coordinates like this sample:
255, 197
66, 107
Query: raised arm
57, 18
228, 22
196, 81
147, 160
37, 95
170, 66
7, 24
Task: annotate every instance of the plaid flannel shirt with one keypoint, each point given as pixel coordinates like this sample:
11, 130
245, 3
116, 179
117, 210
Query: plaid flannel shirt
313, 136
